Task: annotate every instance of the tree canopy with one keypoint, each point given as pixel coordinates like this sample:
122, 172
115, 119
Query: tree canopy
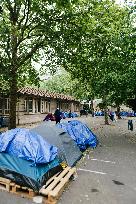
103, 49
62, 82
26, 27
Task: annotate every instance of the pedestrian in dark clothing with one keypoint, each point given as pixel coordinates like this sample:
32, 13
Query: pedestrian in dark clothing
57, 115
69, 114
111, 116
93, 112
130, 125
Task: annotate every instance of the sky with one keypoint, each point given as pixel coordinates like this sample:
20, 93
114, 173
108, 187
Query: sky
122, 1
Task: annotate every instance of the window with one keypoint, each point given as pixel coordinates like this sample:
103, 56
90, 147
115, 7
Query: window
42, 106
49, 105
57, 104
25, 105
39, 105
7, 107
30, 105
36, 110
65, 106
76, 107
46, 105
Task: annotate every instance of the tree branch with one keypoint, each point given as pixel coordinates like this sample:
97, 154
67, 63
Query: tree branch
28, 55
25, 15
8, 46
21, 39
13, 11
9, 6
17, 8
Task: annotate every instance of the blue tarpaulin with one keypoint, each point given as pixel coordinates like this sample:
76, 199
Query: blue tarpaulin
128, 114
22, 143
99, 113
22, 172
68, 151
80, 133
66, 115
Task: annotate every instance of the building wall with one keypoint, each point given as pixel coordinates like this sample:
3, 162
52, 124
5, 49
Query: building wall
31, 109
31, 118
53, 105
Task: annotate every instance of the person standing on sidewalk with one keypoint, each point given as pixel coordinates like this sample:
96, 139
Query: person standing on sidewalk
57, 115
130, 125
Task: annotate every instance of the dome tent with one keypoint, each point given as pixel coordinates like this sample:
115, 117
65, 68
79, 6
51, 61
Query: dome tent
67, 149
80, 133
27, 159
27, 145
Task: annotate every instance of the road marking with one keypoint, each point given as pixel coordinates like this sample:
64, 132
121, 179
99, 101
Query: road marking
103, 161
96, 172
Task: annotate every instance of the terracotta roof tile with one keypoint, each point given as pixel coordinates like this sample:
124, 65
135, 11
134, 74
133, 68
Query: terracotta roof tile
44, 93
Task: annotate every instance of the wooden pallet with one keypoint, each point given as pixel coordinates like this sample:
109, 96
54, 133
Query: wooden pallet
55, 186
5, 184
9, 186
50, 192
22, 191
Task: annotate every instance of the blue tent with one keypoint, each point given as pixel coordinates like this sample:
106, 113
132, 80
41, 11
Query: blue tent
22, 143
80, 133
22, 172
68, 151
27, 159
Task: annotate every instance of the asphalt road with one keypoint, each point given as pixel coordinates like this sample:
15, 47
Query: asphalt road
106, 175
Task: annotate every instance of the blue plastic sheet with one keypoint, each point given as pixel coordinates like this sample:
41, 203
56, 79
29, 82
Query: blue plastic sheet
22, 143
22, 172
80, 133
66, 115
129, 114
99, 113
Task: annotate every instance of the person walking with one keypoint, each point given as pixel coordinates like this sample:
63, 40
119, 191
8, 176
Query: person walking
111, 115
130, 125
69, 114
57, 115
114, 117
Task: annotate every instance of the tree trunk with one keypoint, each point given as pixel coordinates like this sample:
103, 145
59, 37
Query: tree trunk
106, 116
13, 74
92, 105
13, 101
105, 110
118, 112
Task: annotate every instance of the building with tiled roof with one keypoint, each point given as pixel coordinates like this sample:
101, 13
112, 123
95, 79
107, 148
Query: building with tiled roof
33, 104
44, 93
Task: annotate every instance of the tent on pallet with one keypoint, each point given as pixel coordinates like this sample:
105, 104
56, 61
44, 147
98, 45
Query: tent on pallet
27, 159
80, 133
67, 149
